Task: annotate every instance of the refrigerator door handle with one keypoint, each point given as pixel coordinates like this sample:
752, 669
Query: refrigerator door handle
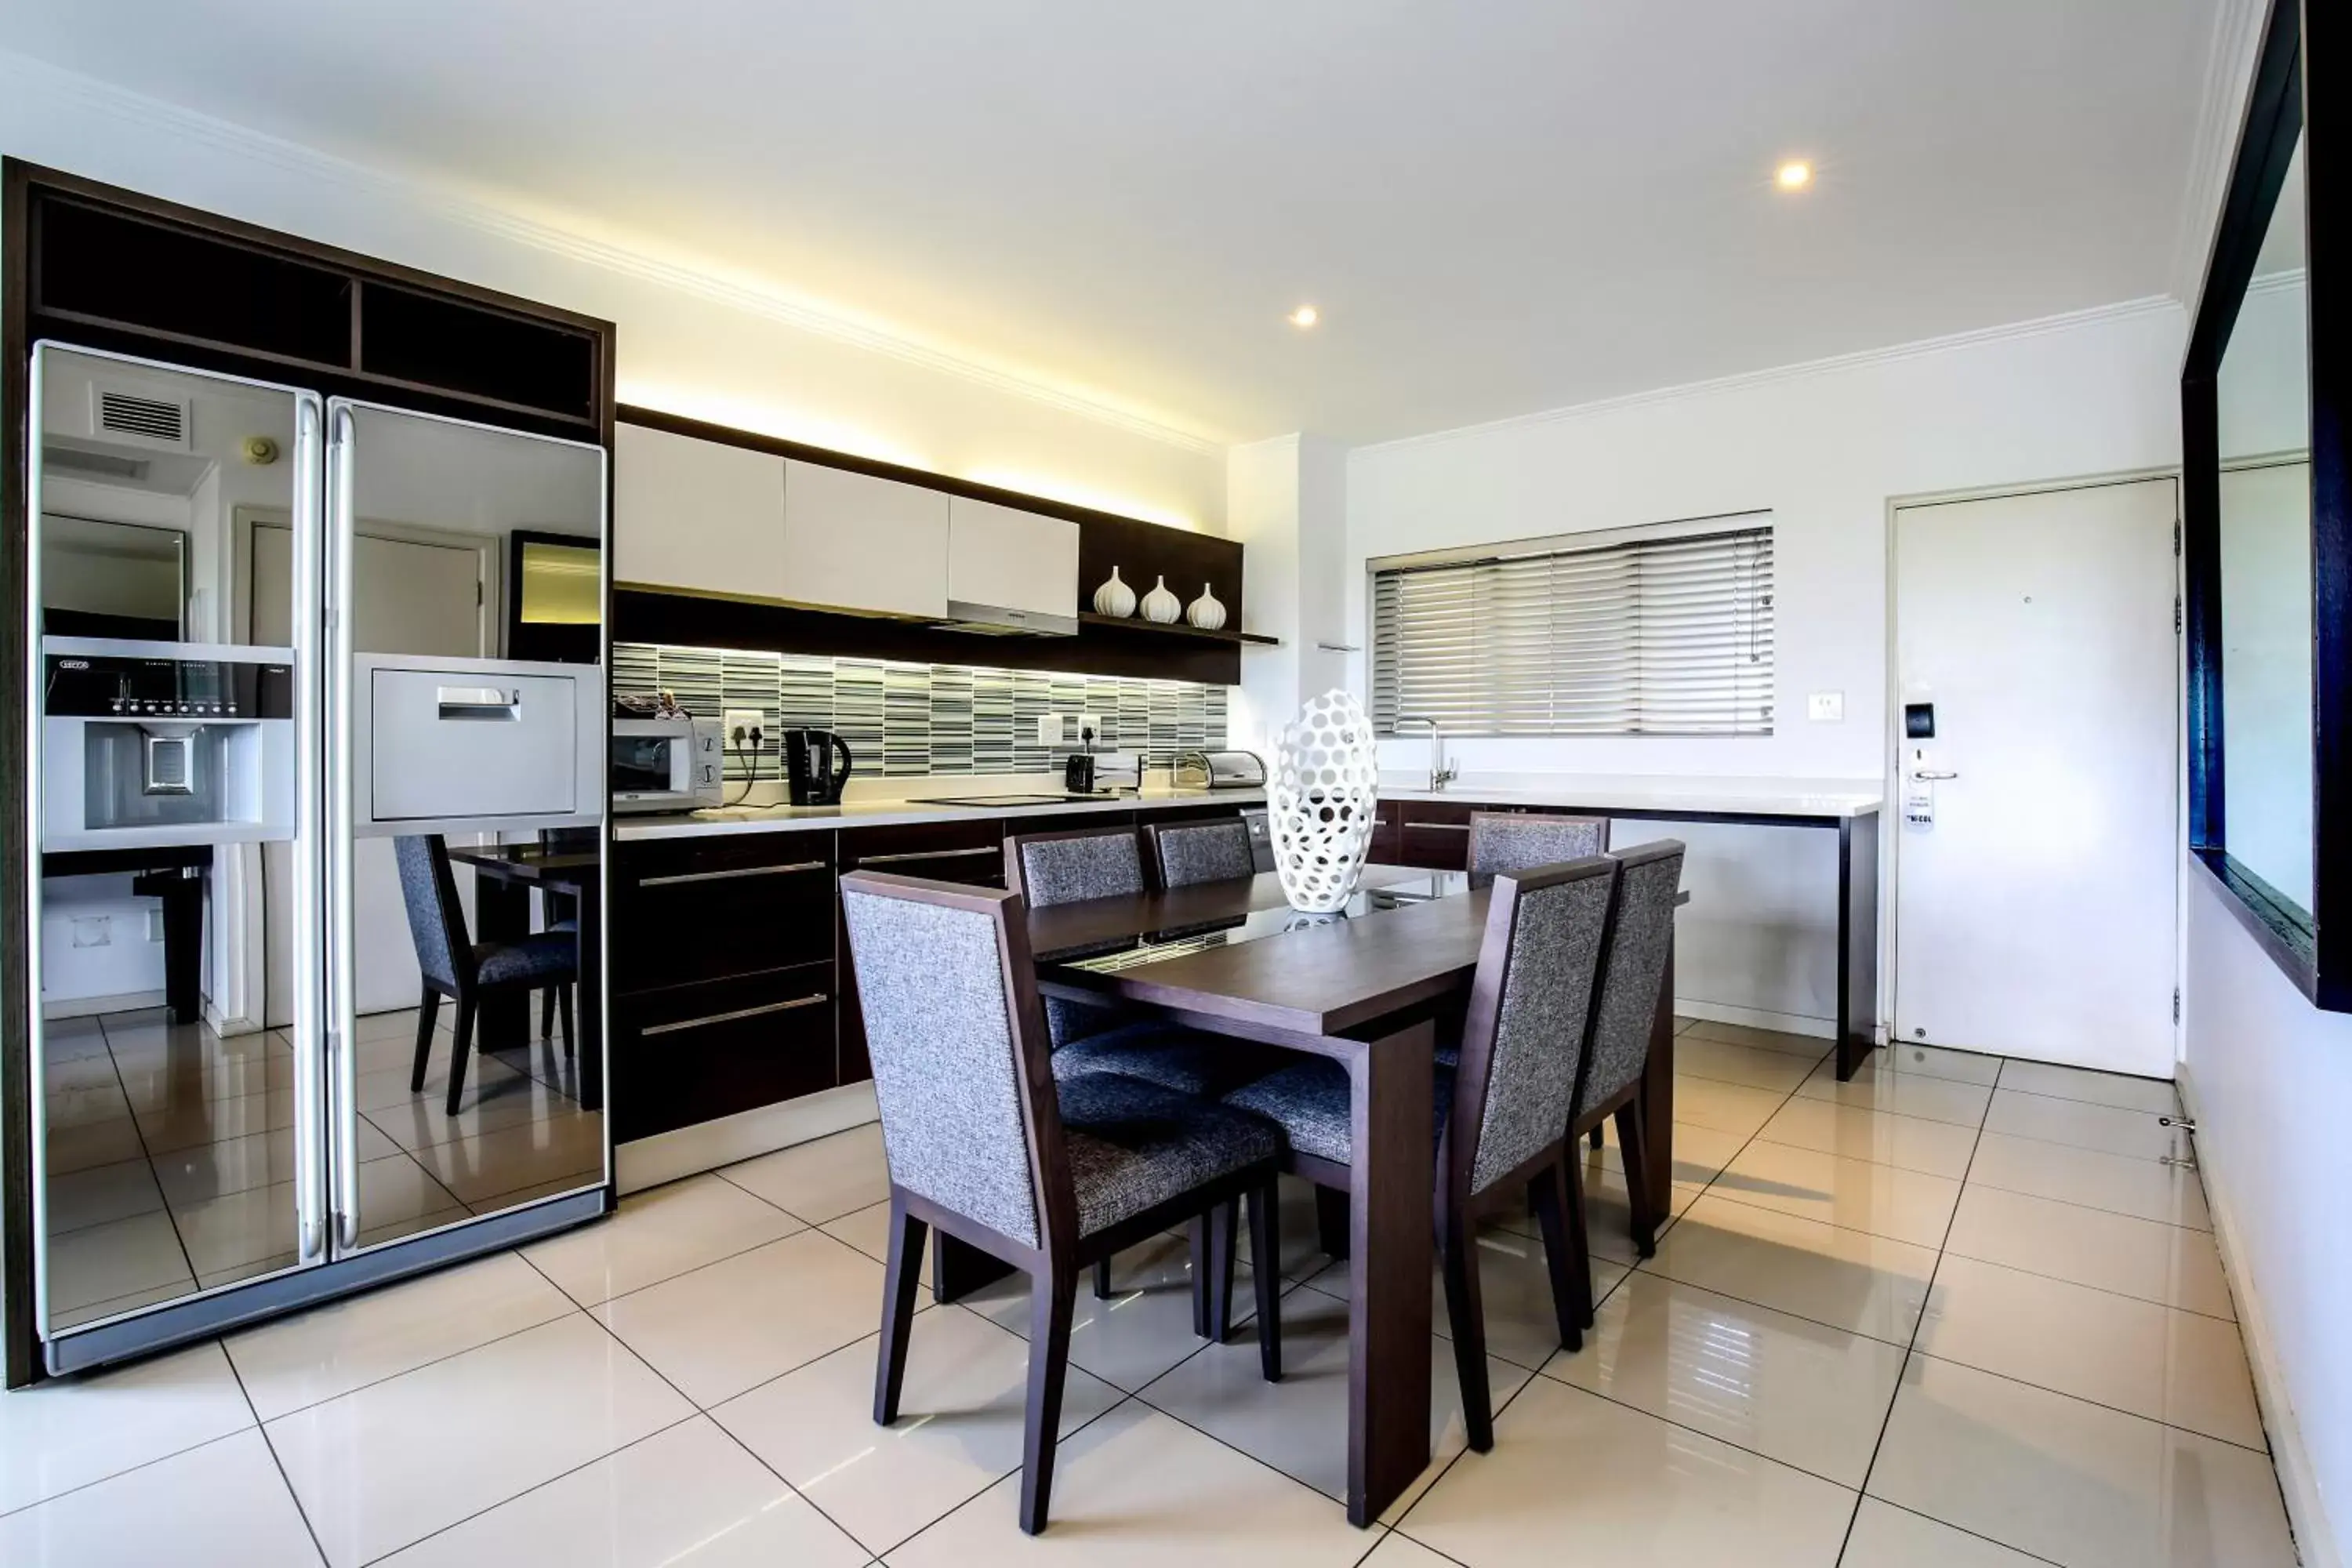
310, 1002
340, 848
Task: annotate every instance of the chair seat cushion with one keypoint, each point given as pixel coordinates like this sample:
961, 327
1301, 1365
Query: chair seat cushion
1134, 1145
1185, 1060
549, 958
1310, 1102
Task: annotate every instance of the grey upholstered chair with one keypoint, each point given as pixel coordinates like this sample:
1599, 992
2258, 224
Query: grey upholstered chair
1501, 1116
463, 970
1522, 840
1633, 970
1190, 852
983, 1144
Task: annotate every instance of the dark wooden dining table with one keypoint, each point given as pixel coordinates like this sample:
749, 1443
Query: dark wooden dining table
1367, 988
504, 876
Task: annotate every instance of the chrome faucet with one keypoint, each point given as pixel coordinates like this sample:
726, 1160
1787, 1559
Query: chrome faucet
1439, 775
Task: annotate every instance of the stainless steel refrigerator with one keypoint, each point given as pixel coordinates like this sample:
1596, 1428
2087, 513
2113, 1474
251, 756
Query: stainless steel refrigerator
270, 633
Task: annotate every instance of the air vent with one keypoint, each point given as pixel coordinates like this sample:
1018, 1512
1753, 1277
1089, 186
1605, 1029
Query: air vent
141, 416
105, 464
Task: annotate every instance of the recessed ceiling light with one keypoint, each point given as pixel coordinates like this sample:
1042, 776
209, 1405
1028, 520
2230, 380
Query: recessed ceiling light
1304, 316
1794, 175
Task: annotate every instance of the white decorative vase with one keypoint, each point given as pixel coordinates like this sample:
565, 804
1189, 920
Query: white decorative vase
1207, 611
1114, 597
1319, 808
1162, 605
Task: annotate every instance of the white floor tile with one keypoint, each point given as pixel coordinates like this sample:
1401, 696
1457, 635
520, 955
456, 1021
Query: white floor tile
1791, 1390
392, 1463
531, 1153
1399, 1551
1142, 1331
186, 1125
687, 1497
1934, 1061
333, 1349
1884, 1137
2081, 1125
866, 1229
2116, 1182
1843, 1278
1876, 1086
657, 1235
108, 1142
718, 1331
1572, 1472
1812, 1047
2074, 1482
822, 1180
959, 1429
1732, 1107
1755, 1066
71, 1431
2153, 1095
101, 1193
1885, 1536
2154, 1261
1885, 1200
125, 1256
223, 1505
2181, 1368
1143, 1489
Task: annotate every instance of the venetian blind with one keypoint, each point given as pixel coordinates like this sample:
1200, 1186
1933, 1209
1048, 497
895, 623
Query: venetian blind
1652, 635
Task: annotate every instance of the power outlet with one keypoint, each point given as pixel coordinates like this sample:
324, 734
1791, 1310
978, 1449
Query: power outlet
1090, 729
1049, 729
741, 722
1826, 707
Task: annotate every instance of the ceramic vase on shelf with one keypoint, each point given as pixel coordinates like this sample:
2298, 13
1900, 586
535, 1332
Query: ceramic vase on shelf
1207, 611
1162, 605
1320, 808
1114, 597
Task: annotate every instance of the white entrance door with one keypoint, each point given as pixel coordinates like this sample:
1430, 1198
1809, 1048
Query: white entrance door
420, 597
2035, 916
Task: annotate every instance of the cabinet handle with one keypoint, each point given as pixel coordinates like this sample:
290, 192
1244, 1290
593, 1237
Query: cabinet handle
675, 878
1442, 827
760, 1011
904, 855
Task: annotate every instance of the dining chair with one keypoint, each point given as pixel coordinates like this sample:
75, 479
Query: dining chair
1500, 1118
1617, 1051
1520, 840
984, 1144
1190, 852
465, 971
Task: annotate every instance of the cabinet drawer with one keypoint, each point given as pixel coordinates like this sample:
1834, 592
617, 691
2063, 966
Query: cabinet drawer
1434, 833
958, 851
708, 908
687, 1054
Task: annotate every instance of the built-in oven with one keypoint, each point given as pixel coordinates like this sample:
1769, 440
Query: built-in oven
667, 764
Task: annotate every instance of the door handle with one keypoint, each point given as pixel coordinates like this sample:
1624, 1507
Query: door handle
1932, 774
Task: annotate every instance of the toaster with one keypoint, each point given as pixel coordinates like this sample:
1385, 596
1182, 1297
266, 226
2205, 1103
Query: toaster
1218, 770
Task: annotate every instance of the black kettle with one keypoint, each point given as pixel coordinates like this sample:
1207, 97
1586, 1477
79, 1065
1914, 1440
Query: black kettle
810, 776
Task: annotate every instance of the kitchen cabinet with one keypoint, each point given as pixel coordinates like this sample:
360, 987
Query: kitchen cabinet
688, 1054
1005, 559
1436, 834
699, 516
857, 541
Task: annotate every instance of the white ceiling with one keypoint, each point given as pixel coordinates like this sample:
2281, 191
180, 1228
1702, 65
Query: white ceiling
1499, 206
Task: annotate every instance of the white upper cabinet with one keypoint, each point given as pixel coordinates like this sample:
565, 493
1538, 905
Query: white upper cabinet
697, 515
853, 541
1010, 560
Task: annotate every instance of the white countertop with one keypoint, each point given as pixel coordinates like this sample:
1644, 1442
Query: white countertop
897, 812
1839, 798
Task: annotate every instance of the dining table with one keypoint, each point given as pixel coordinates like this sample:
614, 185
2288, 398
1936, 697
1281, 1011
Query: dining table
504, 876
1371, 986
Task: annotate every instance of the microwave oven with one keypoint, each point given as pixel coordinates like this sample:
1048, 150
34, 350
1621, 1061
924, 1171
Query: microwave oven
667, 764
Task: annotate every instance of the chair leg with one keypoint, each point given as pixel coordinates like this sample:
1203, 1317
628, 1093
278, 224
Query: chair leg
563, 1012
1332, 1220
547, 1012
1465, 1315
1599, 1137
1265, 1274
428, 1009
1225, 1242
1640, 1203
1102, 1279
1548, 1194
1580, 1239
1051, 1299
1197, 1239
458, 1052
903, 1278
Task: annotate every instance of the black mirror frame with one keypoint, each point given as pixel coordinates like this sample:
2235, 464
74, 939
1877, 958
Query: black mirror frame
2278, 111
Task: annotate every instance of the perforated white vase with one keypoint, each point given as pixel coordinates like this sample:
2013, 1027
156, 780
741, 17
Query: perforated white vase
1320, 806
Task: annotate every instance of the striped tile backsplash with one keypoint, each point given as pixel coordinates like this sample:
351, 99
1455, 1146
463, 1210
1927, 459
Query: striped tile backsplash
907, 721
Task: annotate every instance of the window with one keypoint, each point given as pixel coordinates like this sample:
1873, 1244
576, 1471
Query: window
1665, 631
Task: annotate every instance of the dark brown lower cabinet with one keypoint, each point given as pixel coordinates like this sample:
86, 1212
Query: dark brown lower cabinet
685, 1054
1432, 833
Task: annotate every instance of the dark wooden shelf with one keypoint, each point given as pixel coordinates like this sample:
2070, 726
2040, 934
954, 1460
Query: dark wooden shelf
1174, 629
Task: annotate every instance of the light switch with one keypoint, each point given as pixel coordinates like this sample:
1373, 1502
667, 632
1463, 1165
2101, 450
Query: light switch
1049, 729
1826, 707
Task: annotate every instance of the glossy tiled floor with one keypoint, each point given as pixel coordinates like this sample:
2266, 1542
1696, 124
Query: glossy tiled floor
1955, 1313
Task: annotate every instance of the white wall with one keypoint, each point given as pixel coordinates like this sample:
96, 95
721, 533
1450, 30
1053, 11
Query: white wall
694, 342
2269, 1077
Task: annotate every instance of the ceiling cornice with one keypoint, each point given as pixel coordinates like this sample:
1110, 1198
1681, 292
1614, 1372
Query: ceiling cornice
104, 100
2044, 326
2220, 110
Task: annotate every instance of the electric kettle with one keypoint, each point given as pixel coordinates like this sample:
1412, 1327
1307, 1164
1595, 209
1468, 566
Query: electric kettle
810, 775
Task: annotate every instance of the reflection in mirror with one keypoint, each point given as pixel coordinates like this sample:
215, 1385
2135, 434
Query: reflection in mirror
2263, 398
102, 579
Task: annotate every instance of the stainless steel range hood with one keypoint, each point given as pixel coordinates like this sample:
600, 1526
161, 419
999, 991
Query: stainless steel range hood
1005, 621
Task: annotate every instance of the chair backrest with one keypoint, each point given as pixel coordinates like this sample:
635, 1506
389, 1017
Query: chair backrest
1048, 868
968, 1117
436, 921
1521, 841
1190, 852
1632, 969
1523, 1040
